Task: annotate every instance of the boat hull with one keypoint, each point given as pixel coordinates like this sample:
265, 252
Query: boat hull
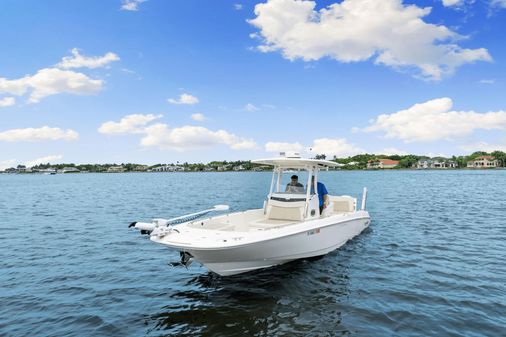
315, 241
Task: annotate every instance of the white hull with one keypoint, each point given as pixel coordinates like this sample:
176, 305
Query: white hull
290, 226
278, 246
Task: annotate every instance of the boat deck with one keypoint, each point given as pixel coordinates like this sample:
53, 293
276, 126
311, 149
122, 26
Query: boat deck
249, 221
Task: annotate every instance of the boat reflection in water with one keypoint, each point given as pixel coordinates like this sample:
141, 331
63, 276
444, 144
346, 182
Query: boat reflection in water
302, 297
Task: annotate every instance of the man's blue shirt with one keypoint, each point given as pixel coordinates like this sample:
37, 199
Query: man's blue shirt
322, 190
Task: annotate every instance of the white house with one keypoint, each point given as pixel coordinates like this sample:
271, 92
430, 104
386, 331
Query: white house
435, 163
168, 168
116, 169
483, 162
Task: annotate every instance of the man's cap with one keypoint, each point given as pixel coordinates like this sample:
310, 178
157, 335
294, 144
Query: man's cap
295, 177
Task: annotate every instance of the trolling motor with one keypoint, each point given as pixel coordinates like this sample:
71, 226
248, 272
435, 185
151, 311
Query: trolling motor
162, 227
186, 260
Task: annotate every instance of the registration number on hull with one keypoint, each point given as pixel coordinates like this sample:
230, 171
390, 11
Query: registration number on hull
314, 231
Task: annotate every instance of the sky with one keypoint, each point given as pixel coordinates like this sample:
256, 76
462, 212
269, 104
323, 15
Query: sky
162, 81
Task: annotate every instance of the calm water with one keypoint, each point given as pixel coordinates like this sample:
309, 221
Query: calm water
432, 262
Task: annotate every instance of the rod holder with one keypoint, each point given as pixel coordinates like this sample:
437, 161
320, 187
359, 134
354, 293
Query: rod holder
364, 198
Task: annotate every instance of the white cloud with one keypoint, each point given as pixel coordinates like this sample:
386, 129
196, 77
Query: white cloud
484, 146
250, 107
386, 31
338, 147
79, 61
328, 146
38, 134
238, 7
198, 117
434, 120
450, 3
192, 137
184, 99
135, 123
131, 5
127, 71
499, 3
51, 81
487, 81
5, 164
393, 151
180, 138
7, 101
43, 160
283, 147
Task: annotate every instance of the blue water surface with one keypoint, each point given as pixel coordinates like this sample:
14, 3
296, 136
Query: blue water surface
432, 262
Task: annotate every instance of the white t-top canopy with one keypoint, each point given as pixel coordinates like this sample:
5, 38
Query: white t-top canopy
297, 163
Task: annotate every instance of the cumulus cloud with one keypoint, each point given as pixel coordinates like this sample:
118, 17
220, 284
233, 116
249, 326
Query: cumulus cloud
198, 117
43, 160
184, 99
51, 81
283, 147
131, 5
450, 3
338, 147
135, 123
55, 80
238, 7
390, 151
250, 107
7, 101
80, 61
5, 164
484, 146
38, 134
386, 31
328, 146
434, 120
499, 3
182, 138
192, 137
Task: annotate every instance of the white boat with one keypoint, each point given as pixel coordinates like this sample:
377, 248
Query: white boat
288, 227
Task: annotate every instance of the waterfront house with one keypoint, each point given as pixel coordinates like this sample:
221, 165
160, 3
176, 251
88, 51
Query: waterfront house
116, 169
141, 168
223, 168
435, 163
483, 162
261, 168
168, 168
423, 163
382, 163
49, 170
239, 168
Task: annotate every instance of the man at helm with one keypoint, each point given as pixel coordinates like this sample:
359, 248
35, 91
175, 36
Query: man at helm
294, 186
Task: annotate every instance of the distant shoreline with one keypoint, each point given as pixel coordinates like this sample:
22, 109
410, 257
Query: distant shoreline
475, 161
260, 171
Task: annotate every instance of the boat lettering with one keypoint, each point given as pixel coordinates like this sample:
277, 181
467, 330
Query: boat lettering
314, 231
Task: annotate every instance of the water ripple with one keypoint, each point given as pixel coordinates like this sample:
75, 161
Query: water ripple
430, 264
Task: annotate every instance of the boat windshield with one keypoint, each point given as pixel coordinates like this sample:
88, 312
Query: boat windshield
292, 182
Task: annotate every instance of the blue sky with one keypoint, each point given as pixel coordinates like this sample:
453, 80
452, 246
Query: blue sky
182, 80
